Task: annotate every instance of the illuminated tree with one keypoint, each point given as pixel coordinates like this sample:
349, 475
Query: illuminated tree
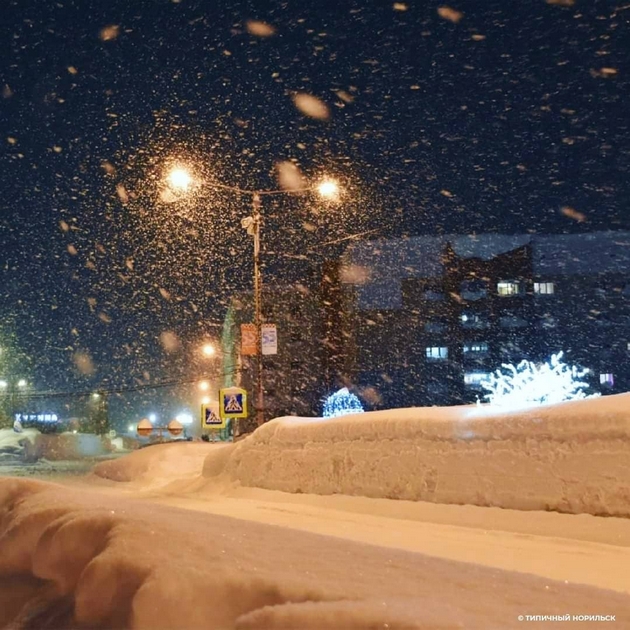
529, 384
341, 403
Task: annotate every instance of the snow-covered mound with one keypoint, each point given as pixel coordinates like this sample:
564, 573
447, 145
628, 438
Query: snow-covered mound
571, 457
71, 559
161, 462
17, 446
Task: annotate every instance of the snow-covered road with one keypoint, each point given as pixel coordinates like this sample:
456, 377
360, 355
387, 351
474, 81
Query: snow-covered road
578, 549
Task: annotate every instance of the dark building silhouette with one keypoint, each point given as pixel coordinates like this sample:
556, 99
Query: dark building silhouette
432, 316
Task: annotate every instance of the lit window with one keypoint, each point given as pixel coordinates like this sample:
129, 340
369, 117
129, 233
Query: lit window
508, 287
474, 379
480, 347
607, 379
544, 288
438, 353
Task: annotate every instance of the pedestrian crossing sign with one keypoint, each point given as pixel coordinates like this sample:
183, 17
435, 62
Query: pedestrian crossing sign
233, 402
211, 418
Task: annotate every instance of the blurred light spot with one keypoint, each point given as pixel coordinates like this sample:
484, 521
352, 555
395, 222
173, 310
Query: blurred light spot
72, 70
108, 167
7, 92
260, 29
355, 274
311, 106
400, 6
57, 149
562, 3
11, 140
109, 32
452, 15
83, 362
289, 176
104, 317
72, 250
478, 37
446, 193
345, 96
371, 395
165, 294
122, 193
573, 214
170, 341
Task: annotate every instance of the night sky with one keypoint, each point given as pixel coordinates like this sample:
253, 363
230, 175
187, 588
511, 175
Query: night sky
484, 116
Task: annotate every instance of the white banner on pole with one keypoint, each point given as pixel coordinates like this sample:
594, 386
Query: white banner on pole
269, 334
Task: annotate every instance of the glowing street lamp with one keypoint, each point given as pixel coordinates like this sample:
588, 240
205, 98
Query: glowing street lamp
208, 350
328, 189
22, 383
179, 178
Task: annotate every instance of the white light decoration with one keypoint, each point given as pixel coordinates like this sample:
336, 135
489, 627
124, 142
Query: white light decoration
341, 403
529, 384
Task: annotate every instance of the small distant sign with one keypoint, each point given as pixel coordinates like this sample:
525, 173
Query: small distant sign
211, 418
248, 339
269, 335
233, 402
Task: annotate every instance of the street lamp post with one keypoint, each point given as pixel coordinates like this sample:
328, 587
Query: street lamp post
180, 178
260, 396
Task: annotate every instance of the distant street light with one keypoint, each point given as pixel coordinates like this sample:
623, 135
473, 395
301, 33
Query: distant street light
22, 383
208, 350
180, 180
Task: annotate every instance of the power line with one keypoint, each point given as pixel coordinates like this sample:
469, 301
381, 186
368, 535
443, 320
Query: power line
111, 390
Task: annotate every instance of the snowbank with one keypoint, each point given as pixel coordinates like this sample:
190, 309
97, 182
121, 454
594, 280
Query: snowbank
18, 446
571, 457
161, 462
72, 559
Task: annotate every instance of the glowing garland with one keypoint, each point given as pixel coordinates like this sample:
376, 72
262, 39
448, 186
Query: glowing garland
341, 403
528, 384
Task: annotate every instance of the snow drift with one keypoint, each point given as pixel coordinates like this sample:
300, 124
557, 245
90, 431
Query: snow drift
71, 559
572, 457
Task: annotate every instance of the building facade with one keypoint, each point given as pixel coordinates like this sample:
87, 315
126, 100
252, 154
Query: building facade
430, 317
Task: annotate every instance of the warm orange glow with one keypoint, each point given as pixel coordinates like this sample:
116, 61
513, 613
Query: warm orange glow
208, 350
204, 386
329, 189
180, 179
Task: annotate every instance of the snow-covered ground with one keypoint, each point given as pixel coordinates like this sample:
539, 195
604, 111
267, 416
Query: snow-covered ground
196, 535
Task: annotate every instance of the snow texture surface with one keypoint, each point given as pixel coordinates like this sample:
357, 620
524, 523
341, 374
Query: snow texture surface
72, 559
570, 457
